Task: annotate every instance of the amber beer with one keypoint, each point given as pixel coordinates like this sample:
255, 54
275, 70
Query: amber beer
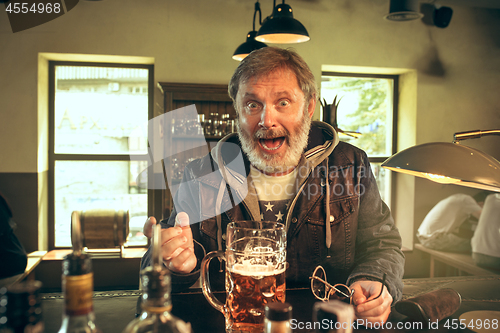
255, 260
247, 293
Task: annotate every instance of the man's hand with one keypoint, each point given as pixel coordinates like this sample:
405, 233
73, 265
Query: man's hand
147, 230
368, 308
177, 244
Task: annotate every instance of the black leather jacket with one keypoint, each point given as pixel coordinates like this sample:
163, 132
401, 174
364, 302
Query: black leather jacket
364, 240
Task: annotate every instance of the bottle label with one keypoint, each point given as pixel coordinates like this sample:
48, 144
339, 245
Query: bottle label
78, 292
157, 309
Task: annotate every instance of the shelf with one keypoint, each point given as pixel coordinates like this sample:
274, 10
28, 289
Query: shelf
196, 137
132, 252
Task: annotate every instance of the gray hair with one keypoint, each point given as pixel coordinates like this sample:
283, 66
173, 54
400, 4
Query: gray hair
267, 60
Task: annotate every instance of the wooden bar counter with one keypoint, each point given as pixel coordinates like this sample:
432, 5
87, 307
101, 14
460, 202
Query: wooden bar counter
115, 309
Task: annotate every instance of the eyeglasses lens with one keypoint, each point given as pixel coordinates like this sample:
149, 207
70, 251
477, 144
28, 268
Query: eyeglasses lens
342, 293
318, 286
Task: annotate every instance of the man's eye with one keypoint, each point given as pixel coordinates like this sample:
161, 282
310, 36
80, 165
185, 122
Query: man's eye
283, 103
252, 105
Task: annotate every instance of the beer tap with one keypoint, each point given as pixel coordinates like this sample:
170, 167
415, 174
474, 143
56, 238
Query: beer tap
76, 234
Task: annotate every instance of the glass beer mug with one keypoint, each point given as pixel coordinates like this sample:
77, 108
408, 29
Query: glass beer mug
255, 259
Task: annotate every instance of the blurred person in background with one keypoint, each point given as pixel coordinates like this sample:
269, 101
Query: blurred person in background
450, 224
486, 240
13, 258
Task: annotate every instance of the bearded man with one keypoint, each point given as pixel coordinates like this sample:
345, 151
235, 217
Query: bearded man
298, 173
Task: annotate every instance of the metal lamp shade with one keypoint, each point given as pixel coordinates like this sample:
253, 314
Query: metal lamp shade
250, 45
448, 163
403, 10
282, 28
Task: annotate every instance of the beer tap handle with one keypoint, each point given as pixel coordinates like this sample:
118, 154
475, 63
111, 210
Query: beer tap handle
76, 233
157, 257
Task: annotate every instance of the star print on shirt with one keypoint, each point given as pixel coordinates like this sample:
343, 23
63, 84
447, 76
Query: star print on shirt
274, 211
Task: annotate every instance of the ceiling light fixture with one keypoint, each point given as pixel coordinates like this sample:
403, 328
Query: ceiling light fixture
251, 44
450, 163
281, 27
403, 10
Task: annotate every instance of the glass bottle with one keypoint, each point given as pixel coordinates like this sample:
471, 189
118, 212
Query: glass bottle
215, 124
277, 318
155, 301
78, 289
21, 308
201, 121
223, 125
335, 316
231, 125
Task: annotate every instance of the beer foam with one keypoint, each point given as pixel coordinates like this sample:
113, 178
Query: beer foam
248, 269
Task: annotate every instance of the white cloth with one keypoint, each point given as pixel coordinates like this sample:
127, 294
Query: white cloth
448, 215
486, 239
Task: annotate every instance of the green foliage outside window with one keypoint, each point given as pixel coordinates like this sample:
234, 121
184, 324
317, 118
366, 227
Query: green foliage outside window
365, 107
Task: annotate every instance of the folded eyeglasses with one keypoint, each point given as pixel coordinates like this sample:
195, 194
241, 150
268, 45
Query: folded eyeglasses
324, 291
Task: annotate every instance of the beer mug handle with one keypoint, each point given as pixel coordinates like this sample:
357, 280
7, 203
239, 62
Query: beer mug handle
205, 282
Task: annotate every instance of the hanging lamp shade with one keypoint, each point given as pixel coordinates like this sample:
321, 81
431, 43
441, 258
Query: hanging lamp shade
282, 28
250, 45
403, 10
448, 163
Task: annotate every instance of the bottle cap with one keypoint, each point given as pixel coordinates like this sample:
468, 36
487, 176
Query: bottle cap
278, 311
322, 312
334, 311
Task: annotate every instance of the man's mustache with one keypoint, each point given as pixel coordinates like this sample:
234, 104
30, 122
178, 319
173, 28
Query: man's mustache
271, 134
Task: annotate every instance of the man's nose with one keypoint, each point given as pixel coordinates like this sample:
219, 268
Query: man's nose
268, 117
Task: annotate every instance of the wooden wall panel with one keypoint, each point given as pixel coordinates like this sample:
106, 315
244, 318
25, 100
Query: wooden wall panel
208, 99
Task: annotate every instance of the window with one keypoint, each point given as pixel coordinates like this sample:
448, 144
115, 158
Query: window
366, 113
93, 109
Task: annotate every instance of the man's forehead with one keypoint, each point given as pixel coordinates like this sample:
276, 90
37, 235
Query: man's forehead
285, 72
245, 86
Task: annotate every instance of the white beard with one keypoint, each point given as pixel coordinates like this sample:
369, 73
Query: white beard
275, 163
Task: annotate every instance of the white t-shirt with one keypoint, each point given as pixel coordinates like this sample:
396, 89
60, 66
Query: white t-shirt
447, 215
486, 239
274, 193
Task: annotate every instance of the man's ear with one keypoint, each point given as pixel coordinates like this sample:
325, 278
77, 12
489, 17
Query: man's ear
311, 107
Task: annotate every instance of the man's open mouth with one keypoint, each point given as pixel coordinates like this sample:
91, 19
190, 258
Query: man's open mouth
272, 144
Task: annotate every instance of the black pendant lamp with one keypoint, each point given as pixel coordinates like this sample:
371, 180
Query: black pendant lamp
281, 27
251, 44
403, 10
